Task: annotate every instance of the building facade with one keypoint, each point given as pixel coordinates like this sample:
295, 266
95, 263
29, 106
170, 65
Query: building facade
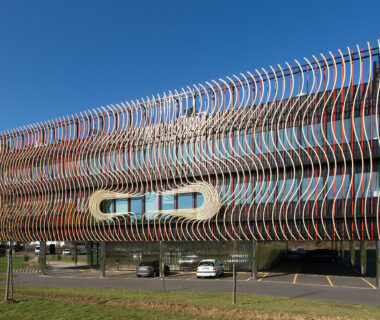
287, 153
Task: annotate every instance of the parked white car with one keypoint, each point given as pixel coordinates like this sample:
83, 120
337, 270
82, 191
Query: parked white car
37, 250
210, 268
66, 252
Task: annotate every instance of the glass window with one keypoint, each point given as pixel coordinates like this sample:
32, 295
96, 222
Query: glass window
287, 190
196, 150
366, 183
312, 134
136, 206
311, 187
107, 206
264, 192
288, 138
334, 128
199, 199
167, 202
216, 147
121, 205
185, 201
151, 205
248, 142
375, 184
249, 192
333, 192
237, 148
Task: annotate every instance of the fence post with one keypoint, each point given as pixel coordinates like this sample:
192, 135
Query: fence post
233, 284
378, 263
75, 253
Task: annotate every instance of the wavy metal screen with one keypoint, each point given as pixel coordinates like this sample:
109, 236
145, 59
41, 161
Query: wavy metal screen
287, 152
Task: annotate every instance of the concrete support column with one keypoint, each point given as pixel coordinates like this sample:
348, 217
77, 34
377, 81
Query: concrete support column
378, 263
352, 253
102, 264
363, 257
42, 257
254, 261
161, 253
75, 253
342, 249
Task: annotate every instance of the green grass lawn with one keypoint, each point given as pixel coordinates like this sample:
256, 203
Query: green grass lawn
203, 301
42, 309
17, 262
64, 259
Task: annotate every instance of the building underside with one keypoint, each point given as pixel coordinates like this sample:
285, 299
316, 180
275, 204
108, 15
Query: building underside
281, 154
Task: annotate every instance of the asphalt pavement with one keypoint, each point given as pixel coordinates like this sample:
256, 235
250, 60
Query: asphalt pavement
293, 278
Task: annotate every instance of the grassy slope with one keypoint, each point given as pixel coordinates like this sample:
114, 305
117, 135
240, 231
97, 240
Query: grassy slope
207, 299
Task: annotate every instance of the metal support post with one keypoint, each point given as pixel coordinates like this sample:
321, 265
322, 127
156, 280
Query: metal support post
42, 257
163, 276
9, 284
254, 259
233, 284
363, 257
75, 253
378, 263
102, 264
161, 253
342, 249
352, 253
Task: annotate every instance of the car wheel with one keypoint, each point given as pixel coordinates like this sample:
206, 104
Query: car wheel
198, 277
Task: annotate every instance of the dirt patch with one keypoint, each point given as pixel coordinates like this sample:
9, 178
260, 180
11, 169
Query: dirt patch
9, 301
176, 308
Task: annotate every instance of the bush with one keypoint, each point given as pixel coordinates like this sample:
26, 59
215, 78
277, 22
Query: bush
59, 257
26, 257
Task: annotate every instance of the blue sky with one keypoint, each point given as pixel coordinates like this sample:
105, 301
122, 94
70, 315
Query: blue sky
63, 57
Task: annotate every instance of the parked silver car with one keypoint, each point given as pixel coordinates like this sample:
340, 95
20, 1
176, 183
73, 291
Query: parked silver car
150, 269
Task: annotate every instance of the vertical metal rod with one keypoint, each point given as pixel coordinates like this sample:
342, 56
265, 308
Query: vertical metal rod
352, 253
233, 284
254, 260
9, 257
377, 263
363, 257
160, 249
75, 253
163, 276
11, 268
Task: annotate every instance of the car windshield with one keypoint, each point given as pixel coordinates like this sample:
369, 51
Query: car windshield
206, 264
146, 264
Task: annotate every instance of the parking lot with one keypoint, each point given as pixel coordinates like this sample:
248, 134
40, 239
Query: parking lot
317, 280
286, 272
